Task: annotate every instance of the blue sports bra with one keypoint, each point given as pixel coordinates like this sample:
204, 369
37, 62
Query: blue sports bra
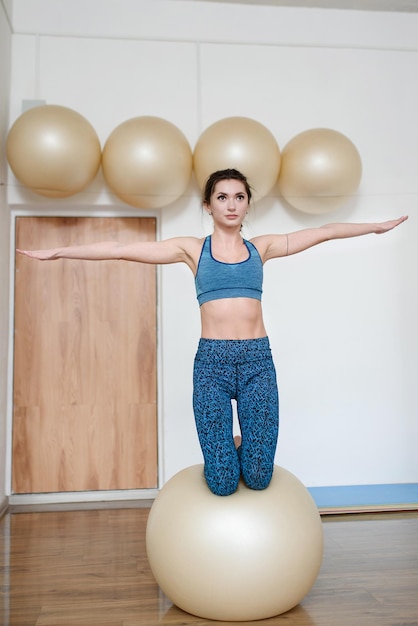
215, 280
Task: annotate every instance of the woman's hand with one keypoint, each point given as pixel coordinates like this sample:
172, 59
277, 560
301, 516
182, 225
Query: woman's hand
384, 227
41, 255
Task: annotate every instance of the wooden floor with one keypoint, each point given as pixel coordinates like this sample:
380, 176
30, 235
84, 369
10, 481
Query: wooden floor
89, 568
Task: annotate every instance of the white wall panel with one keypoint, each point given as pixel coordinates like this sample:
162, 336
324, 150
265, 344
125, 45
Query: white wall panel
114, 80
108, 82
369, 95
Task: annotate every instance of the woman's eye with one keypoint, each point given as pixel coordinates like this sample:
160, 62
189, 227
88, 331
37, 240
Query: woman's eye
221, 197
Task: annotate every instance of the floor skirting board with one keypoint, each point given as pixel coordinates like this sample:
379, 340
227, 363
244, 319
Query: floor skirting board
95, 499
4, 505
335, 499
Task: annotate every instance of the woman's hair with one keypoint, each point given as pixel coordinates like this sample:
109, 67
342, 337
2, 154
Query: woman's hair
224, 175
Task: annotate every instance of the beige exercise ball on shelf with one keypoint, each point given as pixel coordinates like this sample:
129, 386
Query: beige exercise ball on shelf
243, 144
251, 555
147, 162
53, 150
321, 168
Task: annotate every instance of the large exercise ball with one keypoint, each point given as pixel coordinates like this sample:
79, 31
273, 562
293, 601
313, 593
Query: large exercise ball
247, 556
147, 162
53, 150
321, 168
243, 144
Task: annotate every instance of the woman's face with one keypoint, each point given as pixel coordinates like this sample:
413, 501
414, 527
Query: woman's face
228, 202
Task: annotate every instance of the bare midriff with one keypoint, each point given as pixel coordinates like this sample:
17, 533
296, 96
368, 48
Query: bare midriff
232, 318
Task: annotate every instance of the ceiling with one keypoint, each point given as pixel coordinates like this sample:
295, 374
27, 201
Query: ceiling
401, 6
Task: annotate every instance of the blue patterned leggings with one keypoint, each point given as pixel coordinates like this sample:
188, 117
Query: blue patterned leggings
241, 370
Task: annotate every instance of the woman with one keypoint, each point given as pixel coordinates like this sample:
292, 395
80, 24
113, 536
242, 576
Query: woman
233, 359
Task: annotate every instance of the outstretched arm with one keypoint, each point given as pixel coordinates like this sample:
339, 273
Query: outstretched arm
274, 246
176, 250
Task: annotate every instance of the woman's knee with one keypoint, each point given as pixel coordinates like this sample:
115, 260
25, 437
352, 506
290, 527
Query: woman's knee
222, 483
256, 477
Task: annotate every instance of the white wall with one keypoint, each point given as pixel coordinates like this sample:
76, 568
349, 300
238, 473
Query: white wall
341, 317
5, 61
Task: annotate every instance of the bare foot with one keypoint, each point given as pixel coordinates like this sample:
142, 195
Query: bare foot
237, 441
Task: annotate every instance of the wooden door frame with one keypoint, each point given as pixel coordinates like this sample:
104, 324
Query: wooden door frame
69, 498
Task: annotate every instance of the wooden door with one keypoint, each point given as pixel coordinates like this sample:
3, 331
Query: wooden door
85, 400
